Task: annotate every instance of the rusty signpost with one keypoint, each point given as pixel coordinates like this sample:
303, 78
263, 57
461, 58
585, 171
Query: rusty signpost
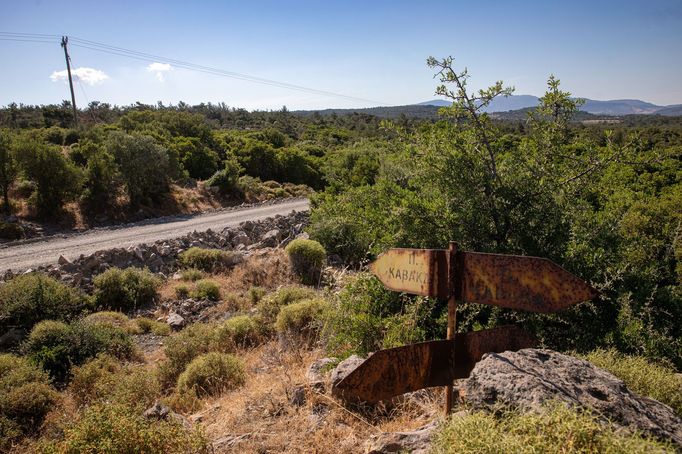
515, 282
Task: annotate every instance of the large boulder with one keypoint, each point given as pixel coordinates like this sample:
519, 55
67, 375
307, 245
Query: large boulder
344, 368
529, 378
415, 442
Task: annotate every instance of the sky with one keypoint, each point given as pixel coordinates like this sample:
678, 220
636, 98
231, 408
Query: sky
360, 53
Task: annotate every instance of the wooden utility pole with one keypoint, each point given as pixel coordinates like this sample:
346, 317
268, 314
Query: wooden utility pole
65, 41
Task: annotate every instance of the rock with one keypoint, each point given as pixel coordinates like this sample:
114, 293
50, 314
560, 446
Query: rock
344, 368
303, 236
241, 238
176, 321
415, 442
530, 377
63, 260
271, 238
297, 398
317, 372
159, 412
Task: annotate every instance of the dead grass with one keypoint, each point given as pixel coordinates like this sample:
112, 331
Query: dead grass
260, 418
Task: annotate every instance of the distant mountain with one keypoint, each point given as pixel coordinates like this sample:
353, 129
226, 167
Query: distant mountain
611, 107
435, 102
671, 111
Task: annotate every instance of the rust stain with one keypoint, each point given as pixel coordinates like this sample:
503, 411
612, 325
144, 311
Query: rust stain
416, 271
527, 283
395, 371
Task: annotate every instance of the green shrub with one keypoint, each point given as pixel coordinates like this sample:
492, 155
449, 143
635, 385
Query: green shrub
182, 348
206, 289
119, 428
208, 260
212, 373
642, 376
118, 319
559, 430
225, 179
28, 299
11, 231
307, 258
104, 379
25, 398
191, 274
125, 289
302, 320
270, 305
256, 294
239, 331
182, 292
56, 346
147, 325
343, 237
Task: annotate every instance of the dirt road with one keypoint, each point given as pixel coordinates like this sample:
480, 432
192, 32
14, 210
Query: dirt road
23, 255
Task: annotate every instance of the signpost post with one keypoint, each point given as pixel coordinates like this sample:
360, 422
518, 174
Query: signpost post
516, 282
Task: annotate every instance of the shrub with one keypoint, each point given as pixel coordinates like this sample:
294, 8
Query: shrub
343, 237
147, 325
206, 289
182, 348
119, 428
307, 258
642, 376
225, 179
125, 289
208, 260
28, 299
270, 305
558, 430
104, 379
11, 231
191, 274
240, 331
118, 319
56, 346
212, 373
25, 398
182, 292
256, 294
302, 320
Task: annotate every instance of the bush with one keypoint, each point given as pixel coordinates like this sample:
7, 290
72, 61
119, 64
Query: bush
212, 373
191, 275
225, 179
56, 346
182, 292
642, 376
11, 231
559, 430
104, 379
239, 331
270, 305
304, 317
28, 299
307, 258
119, 428
343, 237
25, 398
182, 348
125, 289
117, 319
206, 289
209, 260
256, 294
147, 325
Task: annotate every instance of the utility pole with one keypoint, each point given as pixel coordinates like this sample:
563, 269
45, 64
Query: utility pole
65, 41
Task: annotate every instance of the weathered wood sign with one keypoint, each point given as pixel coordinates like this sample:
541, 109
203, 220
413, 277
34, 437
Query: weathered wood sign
516, 282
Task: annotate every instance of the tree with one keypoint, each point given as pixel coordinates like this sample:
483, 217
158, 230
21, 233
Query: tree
197, 159
57, 179
143, 165
8, 169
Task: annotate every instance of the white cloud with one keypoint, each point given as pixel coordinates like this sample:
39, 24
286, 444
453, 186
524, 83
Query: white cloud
159, 69
90, 76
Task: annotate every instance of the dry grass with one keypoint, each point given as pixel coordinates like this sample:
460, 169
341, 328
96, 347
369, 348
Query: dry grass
260, 418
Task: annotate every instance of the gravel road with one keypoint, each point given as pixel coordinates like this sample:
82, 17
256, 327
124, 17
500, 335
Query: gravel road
28, 254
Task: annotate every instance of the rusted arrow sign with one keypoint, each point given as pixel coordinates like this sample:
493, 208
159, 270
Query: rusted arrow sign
394, 371
516, 282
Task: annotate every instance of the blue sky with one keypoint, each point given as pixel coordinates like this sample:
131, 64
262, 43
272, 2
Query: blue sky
373, 50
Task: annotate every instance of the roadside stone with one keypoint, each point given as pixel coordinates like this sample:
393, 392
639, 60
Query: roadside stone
344, 368
317, 373
271, 238
175, 320
415, 442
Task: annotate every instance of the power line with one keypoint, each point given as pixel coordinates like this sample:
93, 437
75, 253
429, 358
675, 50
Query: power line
129, 53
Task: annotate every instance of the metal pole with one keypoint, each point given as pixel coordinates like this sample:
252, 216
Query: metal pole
65, 41
453, 286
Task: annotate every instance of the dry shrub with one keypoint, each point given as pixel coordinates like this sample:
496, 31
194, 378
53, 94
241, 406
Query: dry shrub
211, 374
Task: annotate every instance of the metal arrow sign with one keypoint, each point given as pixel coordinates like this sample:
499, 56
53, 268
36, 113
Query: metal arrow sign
394, 371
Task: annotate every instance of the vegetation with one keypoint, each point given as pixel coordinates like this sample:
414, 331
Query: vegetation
125, 289
237, 332
302, 321
307, 258
558, 430
206, 289
208, 260
212, 373
270, 305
